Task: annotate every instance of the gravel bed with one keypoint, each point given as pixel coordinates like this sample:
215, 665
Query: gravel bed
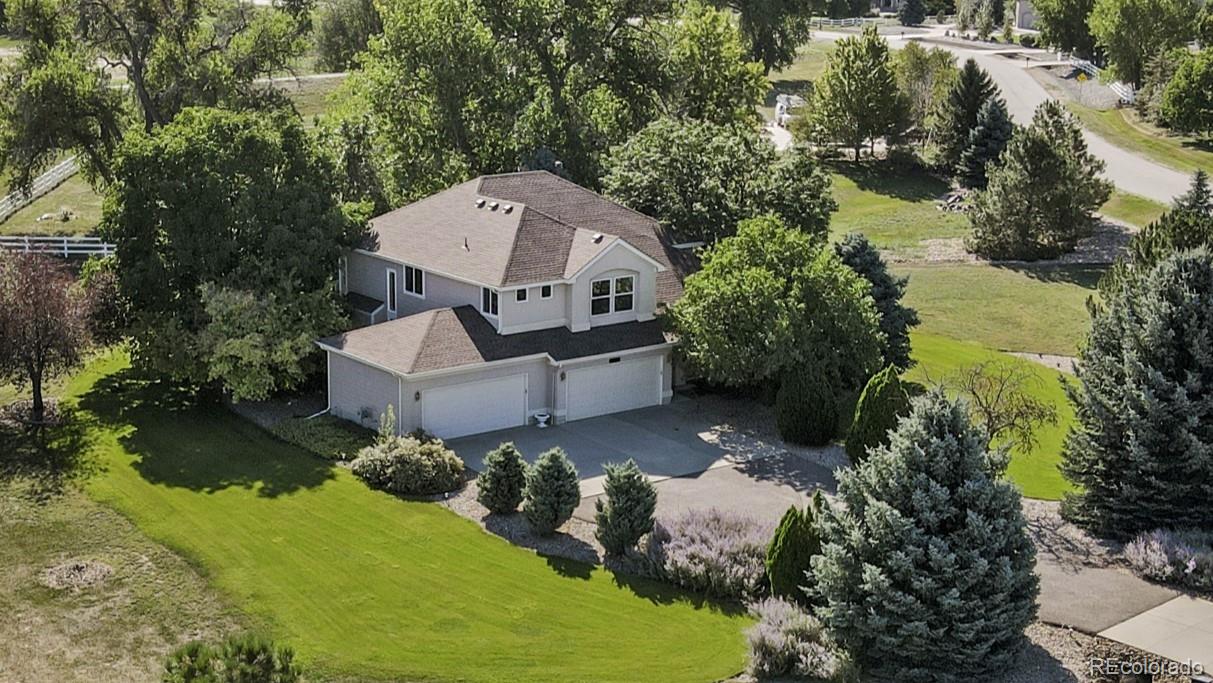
1059, 363
1064, 542
1088, 92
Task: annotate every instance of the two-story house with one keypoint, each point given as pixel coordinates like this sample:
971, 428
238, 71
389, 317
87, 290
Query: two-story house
503, 298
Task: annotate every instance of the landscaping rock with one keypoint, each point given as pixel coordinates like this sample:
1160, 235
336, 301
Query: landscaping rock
76, 575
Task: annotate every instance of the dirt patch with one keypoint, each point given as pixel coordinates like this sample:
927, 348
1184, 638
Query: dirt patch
1059, 363
1107, 242
76, 575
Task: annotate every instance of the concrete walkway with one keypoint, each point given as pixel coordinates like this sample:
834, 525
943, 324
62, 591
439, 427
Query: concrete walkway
1180, 630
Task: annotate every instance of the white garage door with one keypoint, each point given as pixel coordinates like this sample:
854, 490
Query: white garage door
614, 387
474, 407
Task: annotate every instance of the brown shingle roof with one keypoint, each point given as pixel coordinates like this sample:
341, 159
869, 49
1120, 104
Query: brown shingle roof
452, 337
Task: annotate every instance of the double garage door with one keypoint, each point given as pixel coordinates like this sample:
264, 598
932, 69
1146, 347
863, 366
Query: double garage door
613, 387
474, 407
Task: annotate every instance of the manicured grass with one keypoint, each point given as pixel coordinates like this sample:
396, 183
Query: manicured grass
310, 96
896, 210
1035, 473
1133, 209
1039, 309
796, 79
363, 584
75, 195
1122, 127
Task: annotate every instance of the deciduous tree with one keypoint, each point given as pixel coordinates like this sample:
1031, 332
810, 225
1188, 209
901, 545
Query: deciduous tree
1063, 24
344, 30
1187, 101
773, 29
710, 77
1000, 399
924, 78
1130, 32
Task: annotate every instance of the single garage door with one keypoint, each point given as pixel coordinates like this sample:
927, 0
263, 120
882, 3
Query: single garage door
474, 407
614, 387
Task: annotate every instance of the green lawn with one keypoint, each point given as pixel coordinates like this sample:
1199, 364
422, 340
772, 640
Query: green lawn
310, 96
1035, 473
895, 210
1124, 128
796, 79
1039, 309
75, 195
1133, 209
362, 583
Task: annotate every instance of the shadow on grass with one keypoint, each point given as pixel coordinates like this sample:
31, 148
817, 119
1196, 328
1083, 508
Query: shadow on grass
1082, 275
47, 459
885, 179
181, 441
660, 593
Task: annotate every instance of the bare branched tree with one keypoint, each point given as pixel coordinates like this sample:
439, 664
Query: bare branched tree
999, 397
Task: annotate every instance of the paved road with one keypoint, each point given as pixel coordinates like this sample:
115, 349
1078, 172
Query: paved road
1130, 172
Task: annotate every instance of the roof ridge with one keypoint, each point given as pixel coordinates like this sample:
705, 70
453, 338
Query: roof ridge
425, 335
514, 246
604, 198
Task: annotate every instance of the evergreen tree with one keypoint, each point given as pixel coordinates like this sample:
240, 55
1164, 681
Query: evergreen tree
895, 319
986, 142
1043, 194
627, 512
959, 112
1199, 197
806, 407
789, 557
501, 483
926, 567
882, 402
1140, 451
912, 12
1175, 231
552, 492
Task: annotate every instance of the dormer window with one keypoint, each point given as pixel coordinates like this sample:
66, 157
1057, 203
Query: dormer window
612, 295
488, 301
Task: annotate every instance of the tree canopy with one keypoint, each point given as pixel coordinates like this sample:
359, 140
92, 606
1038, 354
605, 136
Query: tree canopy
896, 319
773, 29
1063, 24
959, 111
1130, 32
1187, 100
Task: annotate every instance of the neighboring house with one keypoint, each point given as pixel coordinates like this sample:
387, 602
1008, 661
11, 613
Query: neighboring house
500, 299
1025, 15
886, 6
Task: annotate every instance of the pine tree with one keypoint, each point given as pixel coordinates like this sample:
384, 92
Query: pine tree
552, 492
806, 409
1177, 230
795, 544
987, 140
627, 512
1043, 194
882, 402
895, 319
1141, 452
500, 486
912, 12
1199, 198
926, 567
959, 112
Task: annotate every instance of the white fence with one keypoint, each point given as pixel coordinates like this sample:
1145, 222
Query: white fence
835, 23
15, 201
1124, 91
57, 246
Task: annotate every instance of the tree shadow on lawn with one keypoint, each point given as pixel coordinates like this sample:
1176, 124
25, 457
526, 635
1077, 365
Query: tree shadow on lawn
47, 459
883, 178
183, 441
1084, 275
661, 593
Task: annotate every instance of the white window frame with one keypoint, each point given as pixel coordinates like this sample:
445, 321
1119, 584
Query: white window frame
392, 288
612, 294
521, 295
410, 283
546, 288
490, 303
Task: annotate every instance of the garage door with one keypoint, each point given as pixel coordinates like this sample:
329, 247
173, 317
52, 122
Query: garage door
614, 387
474, 407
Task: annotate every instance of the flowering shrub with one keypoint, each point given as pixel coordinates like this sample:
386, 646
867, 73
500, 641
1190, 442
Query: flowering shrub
788, 641
713, 552
402, 464
1181, 557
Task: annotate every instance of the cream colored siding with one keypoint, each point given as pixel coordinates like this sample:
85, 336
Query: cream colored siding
355, 389
648, 386
539, 381
616, 262
535, 313
368, 275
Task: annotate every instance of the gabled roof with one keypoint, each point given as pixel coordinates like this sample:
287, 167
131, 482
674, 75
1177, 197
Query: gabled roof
521, 228
446, 338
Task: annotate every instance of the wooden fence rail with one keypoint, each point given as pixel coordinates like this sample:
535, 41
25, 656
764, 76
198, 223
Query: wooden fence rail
57, 246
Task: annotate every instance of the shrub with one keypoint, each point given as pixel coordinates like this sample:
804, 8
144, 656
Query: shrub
502, 482
329, 437
713, 552
552, 492
407, 466
806, 409
788, 641
882, 402
1027, 40
926, 568
789, 557
240, 659
627, 513
1184, 557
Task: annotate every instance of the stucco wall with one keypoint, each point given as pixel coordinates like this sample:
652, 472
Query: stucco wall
539, 387
354, 386
535, 313
368, 276
618, 261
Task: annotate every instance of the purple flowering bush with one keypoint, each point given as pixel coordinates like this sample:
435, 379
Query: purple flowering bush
1183, 557
788, 641
718, 553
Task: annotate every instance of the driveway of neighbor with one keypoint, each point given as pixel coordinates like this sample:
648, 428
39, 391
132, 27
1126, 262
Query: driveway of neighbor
696, 457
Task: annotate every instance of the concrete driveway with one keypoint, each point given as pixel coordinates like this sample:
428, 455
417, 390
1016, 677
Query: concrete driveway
696, 458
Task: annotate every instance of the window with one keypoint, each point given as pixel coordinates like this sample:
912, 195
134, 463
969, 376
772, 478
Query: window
520, 295
612, 296
545, 292
342, 266
414, 281
391, 291
488, 301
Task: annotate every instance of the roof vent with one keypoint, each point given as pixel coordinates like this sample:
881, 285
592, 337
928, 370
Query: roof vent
597, 237
507, 208
492, 206
465, 245
480, 203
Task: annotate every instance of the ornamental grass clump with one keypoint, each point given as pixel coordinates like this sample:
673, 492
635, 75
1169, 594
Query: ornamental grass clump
552, 492
788, 641
500, 486
714, 552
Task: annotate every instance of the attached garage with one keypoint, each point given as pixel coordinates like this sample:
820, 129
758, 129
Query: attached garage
474, 407
616, 386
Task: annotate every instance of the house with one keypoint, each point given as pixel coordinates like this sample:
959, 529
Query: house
501, 299
1025, 15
